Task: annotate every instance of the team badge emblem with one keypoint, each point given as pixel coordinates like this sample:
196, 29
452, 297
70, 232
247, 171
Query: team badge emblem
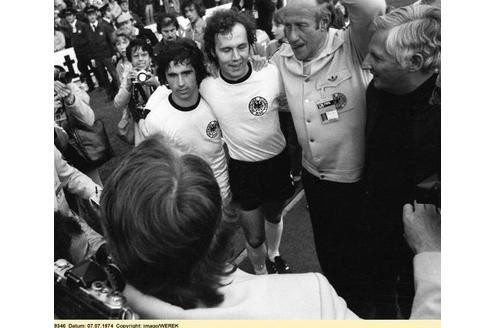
213, 129
258, 106
340, 100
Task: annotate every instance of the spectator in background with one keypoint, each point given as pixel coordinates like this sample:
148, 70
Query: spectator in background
59, 39
125, 24
115, 9
121, 42
402, 140
124, 5
194, 11
79, 33
168, 26
261, 10
172, 6
101, 49
278, 35
107, 18
148, 12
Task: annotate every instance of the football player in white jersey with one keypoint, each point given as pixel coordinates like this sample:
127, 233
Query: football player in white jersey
180, 113
245, 102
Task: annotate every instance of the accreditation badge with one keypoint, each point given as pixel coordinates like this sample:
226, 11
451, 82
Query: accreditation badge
329, 107
327, 110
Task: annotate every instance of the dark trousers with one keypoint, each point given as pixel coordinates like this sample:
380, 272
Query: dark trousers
84, 66
338, 228
390, 256
102, 66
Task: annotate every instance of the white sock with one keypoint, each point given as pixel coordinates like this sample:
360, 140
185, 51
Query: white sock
257, 258
273, 233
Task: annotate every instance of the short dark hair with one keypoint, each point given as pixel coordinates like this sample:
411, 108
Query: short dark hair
181, 52
161, 216
65, 229
137, 44
166, 20
222, 21
198, 5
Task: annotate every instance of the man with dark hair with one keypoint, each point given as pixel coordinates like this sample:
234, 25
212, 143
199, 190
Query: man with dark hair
245, 103
402, 139
79, 34
125, 23
168, 27
325, 87
133, 93
101, 49
106, 17
194, 10
182, 114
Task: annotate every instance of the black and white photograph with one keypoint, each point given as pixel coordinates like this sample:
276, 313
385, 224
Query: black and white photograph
246, 159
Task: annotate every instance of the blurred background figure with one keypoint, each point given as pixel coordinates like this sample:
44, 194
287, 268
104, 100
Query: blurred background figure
124, 5
121, 42
168, 27
260, 10
101, 51
194, 10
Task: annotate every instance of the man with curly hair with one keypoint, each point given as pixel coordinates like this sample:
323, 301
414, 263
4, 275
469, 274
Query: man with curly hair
246, 105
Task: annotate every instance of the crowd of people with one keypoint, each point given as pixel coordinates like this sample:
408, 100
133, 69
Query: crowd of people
344, 99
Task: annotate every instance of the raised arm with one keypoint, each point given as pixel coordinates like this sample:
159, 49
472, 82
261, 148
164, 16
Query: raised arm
361, 14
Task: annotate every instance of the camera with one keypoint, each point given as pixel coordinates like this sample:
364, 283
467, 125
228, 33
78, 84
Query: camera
142, 76
428, 191
91, 289
62, 76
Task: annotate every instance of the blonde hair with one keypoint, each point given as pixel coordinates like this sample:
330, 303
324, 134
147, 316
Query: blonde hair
412, 30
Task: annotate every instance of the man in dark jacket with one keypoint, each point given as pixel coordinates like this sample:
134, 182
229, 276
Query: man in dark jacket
79, 39
102, 51
402, 141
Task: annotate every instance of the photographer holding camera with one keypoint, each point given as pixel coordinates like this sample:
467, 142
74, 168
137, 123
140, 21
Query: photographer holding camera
70, 103
137, 84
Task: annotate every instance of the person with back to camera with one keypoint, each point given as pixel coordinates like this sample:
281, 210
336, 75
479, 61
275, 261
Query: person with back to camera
162, 220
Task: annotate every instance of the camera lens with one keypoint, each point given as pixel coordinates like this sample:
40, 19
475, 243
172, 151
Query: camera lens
142, 76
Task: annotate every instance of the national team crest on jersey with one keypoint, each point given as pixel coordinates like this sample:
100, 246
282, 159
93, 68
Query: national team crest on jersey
213, 129
258, 106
